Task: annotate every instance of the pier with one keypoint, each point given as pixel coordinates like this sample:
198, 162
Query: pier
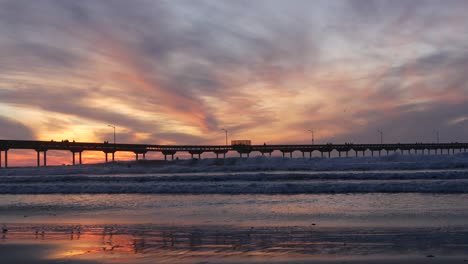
169, 151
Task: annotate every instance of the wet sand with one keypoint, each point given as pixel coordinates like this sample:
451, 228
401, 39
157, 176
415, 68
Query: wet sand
41, 253
371, 228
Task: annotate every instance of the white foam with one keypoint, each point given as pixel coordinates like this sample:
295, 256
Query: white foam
395, 174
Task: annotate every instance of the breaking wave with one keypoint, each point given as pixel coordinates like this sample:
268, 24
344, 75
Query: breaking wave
449, 181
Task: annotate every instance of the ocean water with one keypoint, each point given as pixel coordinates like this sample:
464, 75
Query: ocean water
233, 215
258, 182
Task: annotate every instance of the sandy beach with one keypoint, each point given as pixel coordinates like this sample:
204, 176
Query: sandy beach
223, 244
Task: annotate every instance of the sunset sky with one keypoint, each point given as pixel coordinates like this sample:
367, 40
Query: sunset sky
177, 72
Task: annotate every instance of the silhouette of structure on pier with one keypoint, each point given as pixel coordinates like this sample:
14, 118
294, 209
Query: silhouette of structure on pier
243, 150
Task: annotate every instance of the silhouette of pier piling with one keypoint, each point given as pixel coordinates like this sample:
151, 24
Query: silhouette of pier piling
325, 150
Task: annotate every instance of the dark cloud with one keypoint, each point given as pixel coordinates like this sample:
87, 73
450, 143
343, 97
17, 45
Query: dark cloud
183, 138
12, 129
39, 58
413, 125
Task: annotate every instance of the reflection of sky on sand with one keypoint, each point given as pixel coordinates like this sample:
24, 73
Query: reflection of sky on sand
234, 229
183, 244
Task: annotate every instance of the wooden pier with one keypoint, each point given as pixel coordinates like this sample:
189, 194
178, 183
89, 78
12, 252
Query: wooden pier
325, 150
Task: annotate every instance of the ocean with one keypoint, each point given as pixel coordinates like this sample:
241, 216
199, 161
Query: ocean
368, 210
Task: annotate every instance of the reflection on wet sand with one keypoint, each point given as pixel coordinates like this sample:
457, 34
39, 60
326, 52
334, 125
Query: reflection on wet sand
177, 243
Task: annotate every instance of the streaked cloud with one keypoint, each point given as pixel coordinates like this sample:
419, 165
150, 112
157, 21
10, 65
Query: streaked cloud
12, 129
178, 71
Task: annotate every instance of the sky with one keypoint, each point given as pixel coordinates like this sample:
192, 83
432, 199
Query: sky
179, 71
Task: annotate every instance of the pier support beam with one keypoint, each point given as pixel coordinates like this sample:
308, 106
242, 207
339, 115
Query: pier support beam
143, 155
191, 152
39, 157
0, 159
79, 157
6, 158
